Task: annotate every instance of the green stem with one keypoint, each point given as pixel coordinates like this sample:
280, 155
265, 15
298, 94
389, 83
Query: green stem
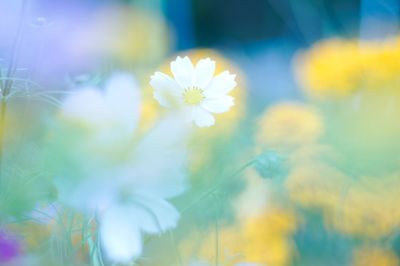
6, 87
216, 241
213, 189
178, 254
14, 51
3, 110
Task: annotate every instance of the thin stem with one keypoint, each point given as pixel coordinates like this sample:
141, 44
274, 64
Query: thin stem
3, 110
216, 186
6, 88
178, 255
14, 51
216, 241
1, 80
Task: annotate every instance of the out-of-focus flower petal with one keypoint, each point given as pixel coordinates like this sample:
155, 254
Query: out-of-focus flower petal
164, 216
87, 106
160, 158
166, 90
203, 118
123, 98
120, 234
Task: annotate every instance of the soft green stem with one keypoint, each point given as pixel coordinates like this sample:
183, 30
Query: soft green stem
14, 51
6, 87
216, 241
213, 189
3, 110
178, 255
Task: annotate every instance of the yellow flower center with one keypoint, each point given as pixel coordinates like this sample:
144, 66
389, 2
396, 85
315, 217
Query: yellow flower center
193, 96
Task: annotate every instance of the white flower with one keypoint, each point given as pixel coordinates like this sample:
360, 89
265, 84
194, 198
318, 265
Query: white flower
127, 192
195, 90
110, 115
141, 187
123, 223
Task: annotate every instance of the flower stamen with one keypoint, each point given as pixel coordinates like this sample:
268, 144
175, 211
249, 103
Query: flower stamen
193, 95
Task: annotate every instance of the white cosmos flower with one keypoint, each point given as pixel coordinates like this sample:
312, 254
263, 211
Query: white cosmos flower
195, 90
110, 114
128, 193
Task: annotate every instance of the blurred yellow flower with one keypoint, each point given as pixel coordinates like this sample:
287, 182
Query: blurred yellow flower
317, 185
381, 64
255, 197
202, 246
335, 68
267, 237
330, 69
372, 256
312, 153
369, 207
289, 125
264, 240
127, 35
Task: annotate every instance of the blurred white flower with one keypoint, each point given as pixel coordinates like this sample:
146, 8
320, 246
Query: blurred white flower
122, 225
153, 173
128, 192
114, 111
195, 90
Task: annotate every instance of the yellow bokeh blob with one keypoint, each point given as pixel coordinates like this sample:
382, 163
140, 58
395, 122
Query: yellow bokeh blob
288, 125
374, 256
369, 207
337, 68
317, 185
264, 240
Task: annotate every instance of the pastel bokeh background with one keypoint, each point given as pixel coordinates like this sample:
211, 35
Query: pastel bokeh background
303, 170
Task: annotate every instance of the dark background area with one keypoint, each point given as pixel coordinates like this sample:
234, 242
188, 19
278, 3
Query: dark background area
219, 21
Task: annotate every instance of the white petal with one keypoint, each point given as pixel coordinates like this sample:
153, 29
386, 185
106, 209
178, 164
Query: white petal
123, 98
163, 98
188, 113
88, 106
220, 85
79, 193
161, 81
120, 234
158, 164
218, 105
146, 220
203, 118
166, 90
203, 72
183, 71
165, 215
